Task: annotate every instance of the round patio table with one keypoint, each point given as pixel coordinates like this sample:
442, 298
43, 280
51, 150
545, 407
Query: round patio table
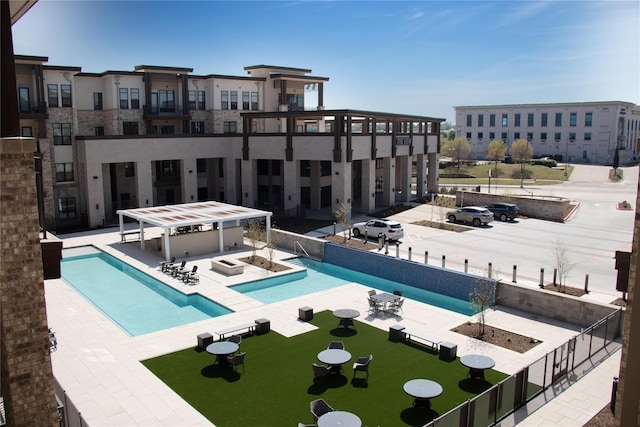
222, 349
346, 316
422, 391
334, 358
339, 418
477, 364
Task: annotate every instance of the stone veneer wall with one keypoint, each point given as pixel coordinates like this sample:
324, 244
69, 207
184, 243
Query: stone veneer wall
25, 360
549, 209
431, 278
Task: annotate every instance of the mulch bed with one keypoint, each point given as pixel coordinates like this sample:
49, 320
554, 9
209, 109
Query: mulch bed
261, 262
568, 290
499, 337
604, 418
352, 243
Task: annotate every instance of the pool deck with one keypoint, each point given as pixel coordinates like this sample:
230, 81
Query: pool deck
97, 364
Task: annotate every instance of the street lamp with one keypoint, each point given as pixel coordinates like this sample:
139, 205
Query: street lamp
566, 161
489, 178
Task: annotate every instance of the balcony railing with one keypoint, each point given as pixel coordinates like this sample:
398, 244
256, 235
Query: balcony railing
165, 111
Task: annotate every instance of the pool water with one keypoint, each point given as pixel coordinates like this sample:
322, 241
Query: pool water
135, 301
321, 276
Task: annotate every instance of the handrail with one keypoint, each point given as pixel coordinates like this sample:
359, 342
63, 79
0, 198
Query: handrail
298, 244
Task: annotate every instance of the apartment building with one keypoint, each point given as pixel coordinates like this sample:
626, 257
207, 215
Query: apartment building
580, 132
162, 135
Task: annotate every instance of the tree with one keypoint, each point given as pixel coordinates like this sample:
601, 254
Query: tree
274, 239
481, 299
496, 151
521, 152
564, 262
458, 149
254, 234
616, 161
342, 215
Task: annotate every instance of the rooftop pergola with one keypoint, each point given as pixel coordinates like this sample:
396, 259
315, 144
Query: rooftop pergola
191, 214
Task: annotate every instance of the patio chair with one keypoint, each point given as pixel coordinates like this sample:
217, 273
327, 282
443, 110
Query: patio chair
374, 306
166, 265
396, 306
184, 275
397, 292
235, 338
372, 292
318, 408
320, 371
362, 365
175, 270
236, 360
339, 345
192, 277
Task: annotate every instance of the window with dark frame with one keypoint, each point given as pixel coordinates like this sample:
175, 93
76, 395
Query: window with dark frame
229, 127
97, 101
135, 98
234, 100
67, 207
61, 134
543, 119
26, 131
124, 98
201, 165
167, 101
480, 136
245, 100
480, 119
529, 136
516, 135
492, 120
468, 136
558, 119
64, 172
379, 163
587, 136
99, 130
65, 93
557, 136
504, 136
130, 128
254, 100
492, 136
129, 169
588, 119
572, 137
543, 136
224, 99
505, 120
516, 119
197, 127
201, 100
192, 99
573, 119
305, 168
530, 119
52, 95
325, 168
469, 120
24, 99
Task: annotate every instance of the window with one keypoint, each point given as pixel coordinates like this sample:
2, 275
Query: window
167, 101
480, 135
99, 130
505, 120
197, 127
229, 127
62, 134
557, 136
97, 100
26, 131
24, 99
572, 137
166, 130
168, 168
254, 100
469, 120
224, 100
587, 136
124, 98
294, 101
530, 119
468, 136
516, 119
129, 128
67, 207
192, 99
588, 119
201, 100
543, 136
516, 135
379, 163
234, 100
325, 168
129, 169
52, 94
201, 165
573, 119
529, 136
558, 119
135, 98
492, 136
64, 172
305, 168
543, 119
65, 91
504, 136
492, 120
480, 119
245, 100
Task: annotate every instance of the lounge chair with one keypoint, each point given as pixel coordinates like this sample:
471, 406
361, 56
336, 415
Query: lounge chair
184, 275
166, 265
318, 408
236, 360
175, 270
336, 345
362, 365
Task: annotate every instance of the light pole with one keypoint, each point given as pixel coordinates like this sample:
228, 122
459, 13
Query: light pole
489, 178
566, 161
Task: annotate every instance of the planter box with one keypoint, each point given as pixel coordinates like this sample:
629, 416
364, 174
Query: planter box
227, 267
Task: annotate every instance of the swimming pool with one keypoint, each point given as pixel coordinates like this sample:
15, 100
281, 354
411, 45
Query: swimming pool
135, 301
320, 276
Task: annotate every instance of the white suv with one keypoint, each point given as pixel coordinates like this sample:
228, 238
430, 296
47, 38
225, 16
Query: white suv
392, 230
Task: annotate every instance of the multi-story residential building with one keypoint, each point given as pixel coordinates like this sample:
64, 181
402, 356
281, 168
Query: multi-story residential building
579, 132
161, 135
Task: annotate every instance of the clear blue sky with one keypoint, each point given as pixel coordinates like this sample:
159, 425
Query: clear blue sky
411, 57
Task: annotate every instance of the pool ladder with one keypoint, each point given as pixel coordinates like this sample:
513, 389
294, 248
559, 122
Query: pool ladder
296, 244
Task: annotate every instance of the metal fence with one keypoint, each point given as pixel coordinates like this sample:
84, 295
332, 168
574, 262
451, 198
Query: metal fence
68, 414
501, 400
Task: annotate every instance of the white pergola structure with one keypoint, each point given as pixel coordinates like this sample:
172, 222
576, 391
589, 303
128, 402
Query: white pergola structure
191, 214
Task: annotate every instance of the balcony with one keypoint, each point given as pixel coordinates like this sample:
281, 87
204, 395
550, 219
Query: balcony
165, 112
36, 111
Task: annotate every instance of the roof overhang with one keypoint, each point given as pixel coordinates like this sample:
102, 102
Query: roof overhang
17, 8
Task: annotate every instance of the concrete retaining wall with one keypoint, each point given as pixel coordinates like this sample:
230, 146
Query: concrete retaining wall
312, 245
551, 209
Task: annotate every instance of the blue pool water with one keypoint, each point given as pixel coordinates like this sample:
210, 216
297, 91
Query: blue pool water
135, 301
320, 276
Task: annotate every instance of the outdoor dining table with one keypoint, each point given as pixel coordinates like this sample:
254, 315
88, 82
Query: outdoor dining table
346, 316
385, 298
222, 349
477, 364
339, 418
334, 358
422, 391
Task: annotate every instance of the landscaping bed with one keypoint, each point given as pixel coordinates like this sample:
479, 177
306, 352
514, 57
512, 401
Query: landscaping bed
499, 337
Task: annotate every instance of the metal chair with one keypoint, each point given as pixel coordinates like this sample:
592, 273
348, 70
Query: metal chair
362, 365
175, 270
396, 306
166, 265
397, 292
236, 360
339, 345
184, 275
372, 292
374, 306
318, 408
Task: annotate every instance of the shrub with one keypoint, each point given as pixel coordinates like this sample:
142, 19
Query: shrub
522, 174
550, 163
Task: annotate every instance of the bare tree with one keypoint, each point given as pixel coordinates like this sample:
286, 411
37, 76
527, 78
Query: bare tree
458, 149
342, 215
481, 299
521, 152
564, 262
254, 234
496, 151
273, 244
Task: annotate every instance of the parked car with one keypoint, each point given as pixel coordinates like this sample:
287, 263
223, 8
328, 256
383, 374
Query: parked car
392, 230
475, 215
504, 211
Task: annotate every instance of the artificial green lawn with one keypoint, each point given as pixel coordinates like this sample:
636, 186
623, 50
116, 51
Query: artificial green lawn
277, 383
